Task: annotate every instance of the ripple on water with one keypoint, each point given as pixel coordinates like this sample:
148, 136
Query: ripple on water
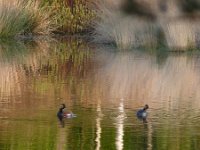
105, 90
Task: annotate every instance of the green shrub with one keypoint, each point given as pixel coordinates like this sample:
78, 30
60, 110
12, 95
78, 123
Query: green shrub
72, 19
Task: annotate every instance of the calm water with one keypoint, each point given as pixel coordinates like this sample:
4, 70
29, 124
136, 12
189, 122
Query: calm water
104, 88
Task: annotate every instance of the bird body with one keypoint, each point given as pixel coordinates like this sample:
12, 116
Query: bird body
142, 113
60, 114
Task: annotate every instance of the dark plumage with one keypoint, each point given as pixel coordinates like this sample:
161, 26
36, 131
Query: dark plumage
142, 114
60, 114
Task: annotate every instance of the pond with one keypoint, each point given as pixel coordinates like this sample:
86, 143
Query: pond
104, 88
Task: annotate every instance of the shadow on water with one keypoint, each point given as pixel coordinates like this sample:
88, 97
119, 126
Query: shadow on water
105, 88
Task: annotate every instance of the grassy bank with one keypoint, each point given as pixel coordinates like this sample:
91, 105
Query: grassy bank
20, 17
43, 17
108, 21
145, 28
122, 30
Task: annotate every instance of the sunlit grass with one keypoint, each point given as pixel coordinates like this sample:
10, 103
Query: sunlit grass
42, 17
72, 19
20, 17
114, 27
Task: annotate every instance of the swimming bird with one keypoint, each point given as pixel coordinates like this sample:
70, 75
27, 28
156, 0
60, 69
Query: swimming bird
60, 114
142, 113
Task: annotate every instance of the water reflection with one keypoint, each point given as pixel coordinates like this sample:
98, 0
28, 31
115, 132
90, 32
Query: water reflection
31, 79
138, 78
120, 126
150, 133
98, 128
36, 79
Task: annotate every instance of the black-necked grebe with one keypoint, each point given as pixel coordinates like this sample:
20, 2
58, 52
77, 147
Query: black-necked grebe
142, 113
60, 114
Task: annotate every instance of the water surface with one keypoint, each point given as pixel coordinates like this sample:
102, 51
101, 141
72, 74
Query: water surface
104, 88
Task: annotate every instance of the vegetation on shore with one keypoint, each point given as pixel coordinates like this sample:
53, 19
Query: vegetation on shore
20, 17
43, 17
109, 22
72, 16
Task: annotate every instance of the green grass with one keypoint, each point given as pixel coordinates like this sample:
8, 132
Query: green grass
21, 18
43, 17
